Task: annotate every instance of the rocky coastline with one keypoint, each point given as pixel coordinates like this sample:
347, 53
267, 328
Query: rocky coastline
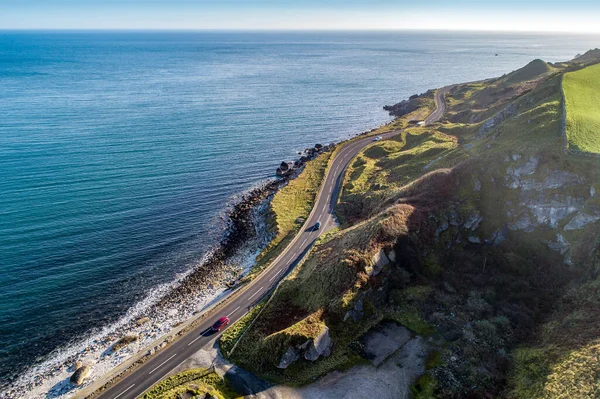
245, 235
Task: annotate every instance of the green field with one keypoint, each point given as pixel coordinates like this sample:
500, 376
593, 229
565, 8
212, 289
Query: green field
582, 98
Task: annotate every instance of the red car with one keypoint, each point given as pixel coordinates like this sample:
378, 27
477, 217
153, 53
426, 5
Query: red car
222, 322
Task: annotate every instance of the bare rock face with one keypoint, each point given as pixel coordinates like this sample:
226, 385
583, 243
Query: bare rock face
319, 346
580, 220
289, 357
473, 221
380, 260
515, 174
356, 313
80, 375
560, 245
495, 120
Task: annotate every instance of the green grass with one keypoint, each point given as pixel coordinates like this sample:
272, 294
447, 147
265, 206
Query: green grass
290, 203
229, 338
296, 199
582, 99
192, 383
381, 169
533, 70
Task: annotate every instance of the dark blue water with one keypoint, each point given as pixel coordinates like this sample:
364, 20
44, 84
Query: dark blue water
118, 151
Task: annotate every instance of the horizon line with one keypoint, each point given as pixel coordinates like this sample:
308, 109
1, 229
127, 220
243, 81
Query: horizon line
301, 30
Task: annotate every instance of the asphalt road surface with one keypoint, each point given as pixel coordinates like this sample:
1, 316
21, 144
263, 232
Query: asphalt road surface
167, 359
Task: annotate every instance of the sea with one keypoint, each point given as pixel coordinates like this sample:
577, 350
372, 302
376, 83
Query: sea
120, 152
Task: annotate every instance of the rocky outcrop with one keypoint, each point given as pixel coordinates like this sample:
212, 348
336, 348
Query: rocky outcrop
581, 220
379, 261
494, 121
403, 107
562, 246
541, 200
312, 349
514, 174
473, 221
287, 169
80, 375
356, 313
319, 346
290, 356
123, 342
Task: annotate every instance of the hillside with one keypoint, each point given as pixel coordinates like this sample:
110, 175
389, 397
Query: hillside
477, 234
582, 102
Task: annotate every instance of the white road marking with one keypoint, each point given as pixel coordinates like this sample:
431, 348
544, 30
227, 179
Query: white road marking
253, 295
276, 274
234, 310
195, 339
303, 242
294, 255
124, 391
160, 365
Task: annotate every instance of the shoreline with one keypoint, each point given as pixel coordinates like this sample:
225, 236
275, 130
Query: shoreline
170, 305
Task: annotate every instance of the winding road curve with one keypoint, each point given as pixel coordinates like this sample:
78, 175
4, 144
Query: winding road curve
153, 370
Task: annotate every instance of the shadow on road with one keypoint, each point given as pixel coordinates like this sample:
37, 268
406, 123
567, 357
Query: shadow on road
208, 332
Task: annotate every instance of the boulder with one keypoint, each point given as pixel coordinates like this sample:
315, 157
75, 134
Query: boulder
319, 346
80, 375
380, 260
290, 356
284, 169
123, 342
142, 320
284, 166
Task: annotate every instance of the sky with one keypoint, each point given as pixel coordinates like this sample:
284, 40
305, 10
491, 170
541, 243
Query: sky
494, 15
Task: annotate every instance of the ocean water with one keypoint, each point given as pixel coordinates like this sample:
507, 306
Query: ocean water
120, 151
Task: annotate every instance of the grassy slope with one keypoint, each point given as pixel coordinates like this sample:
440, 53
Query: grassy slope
531, 71
482, 301
192, 383
380, 170
582, 96
290, 203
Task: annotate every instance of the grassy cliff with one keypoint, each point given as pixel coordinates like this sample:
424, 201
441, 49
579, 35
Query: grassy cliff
478, 233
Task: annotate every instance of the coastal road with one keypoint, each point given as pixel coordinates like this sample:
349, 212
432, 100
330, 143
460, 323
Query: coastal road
440, 106
153, 370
